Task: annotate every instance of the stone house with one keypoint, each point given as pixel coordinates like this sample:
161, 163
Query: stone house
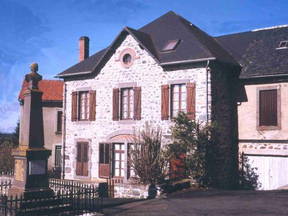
263, 100
147, 75
52, 102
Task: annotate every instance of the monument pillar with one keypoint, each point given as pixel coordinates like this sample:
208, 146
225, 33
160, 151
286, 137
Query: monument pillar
30, 171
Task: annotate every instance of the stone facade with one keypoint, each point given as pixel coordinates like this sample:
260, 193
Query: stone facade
145, 73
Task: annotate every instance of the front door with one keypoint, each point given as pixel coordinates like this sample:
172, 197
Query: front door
82, 159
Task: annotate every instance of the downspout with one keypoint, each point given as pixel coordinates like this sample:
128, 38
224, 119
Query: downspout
64, 131
208, 70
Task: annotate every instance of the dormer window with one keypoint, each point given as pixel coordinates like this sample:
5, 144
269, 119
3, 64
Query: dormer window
283, 45
170, 45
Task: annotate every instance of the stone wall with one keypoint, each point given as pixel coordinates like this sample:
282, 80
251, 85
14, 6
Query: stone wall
130, 191
147, 74
224, 114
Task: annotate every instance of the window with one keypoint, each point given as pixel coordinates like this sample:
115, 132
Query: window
283, 45
130, 169
170, 45
118, 160
127, 103
178, 98
58, 157
83, 106
127, 59
59, 121
82, 159
268, 108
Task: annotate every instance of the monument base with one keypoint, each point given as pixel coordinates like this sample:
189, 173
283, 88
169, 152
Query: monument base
34, 193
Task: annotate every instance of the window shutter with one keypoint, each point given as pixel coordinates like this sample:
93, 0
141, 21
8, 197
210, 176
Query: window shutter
165, 102
85, 159
115, 108
92, 105
268, 108
191, 100
74, 106
78, 160
137, 103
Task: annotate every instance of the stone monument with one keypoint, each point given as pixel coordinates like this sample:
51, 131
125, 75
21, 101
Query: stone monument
30, 171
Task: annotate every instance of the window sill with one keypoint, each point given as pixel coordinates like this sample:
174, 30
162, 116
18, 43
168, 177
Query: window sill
82, 122
58, 132
263, 128
127, 121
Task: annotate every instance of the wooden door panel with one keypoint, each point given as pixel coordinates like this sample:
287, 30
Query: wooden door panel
104, 170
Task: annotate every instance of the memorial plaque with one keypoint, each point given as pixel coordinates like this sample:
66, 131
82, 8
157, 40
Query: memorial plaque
37, 167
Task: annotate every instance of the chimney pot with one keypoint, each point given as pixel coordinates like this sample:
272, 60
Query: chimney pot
84, 48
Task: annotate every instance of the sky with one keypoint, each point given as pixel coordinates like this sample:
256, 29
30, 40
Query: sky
47, 32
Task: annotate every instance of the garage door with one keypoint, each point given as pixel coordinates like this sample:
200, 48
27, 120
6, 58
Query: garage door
272, 171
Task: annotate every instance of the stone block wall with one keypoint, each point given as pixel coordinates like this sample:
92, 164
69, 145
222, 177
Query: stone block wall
224, 114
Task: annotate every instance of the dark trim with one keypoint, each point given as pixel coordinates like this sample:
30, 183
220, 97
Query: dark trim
261, 141
264, 80
265, 155
52, 104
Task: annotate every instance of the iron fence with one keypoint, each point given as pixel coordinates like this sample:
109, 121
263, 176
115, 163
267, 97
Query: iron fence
70, 198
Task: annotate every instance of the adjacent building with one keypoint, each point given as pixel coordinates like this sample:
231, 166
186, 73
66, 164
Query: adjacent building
263, 101
52, 102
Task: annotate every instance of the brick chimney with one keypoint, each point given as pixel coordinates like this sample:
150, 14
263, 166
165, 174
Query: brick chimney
84, 48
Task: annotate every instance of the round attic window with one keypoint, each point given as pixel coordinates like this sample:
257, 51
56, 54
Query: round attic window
127, 57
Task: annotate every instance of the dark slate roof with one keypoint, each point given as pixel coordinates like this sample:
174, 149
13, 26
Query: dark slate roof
256, 51
195, 45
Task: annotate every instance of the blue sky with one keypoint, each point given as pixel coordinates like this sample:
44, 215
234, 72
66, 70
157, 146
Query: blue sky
47, 31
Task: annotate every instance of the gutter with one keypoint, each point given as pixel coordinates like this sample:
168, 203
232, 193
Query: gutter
208, 70
64, 132
73, 74
188, 61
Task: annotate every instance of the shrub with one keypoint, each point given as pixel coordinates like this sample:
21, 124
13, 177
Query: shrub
147, 158
193, 140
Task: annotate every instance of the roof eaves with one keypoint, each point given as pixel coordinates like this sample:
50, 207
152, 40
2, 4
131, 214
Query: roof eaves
72, 74
263, 76
145, 48
125, 29
187, 61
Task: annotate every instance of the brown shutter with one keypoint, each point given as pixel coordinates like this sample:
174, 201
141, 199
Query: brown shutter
104, 160
85, 159
79, 160
268, 108
92, 105
165, 102
191, 101
82, 159
137, 103
74, 106
115, 108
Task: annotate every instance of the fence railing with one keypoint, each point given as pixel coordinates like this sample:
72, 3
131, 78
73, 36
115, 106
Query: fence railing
9, 173
4, 186
70, 198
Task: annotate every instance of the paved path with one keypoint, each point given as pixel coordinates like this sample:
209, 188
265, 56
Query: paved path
209, 203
